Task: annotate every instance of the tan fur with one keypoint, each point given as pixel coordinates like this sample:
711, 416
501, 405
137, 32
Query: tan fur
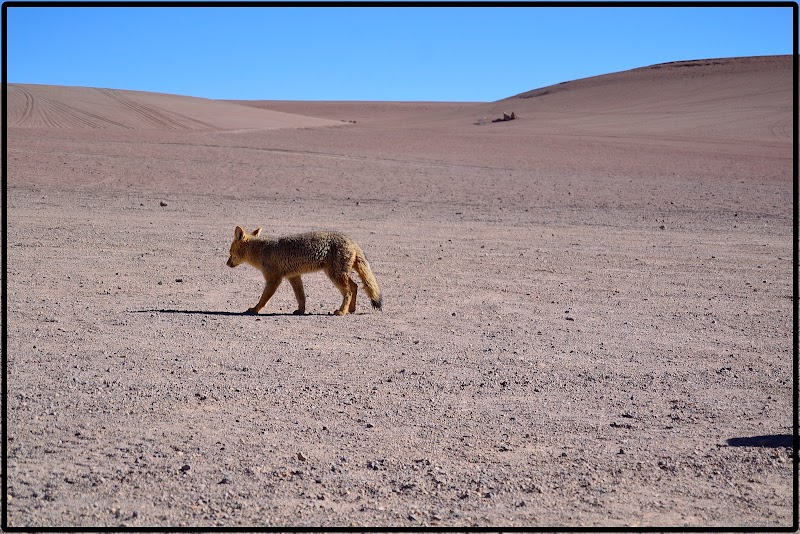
291, 256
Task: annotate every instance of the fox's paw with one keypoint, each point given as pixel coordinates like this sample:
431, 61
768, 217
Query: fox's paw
299, 312
339, 312
251, 311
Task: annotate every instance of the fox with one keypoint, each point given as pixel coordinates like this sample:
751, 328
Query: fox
292, 256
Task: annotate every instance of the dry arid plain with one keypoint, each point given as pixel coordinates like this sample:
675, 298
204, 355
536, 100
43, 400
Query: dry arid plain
587, 311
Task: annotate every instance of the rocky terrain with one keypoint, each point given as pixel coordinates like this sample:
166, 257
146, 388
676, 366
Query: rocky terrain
587, 311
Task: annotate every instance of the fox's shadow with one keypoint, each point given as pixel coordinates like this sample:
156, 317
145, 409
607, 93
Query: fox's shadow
230, 313
772, 440
237, 314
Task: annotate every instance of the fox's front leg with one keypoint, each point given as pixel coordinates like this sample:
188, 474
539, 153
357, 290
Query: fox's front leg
300, 295
269, 290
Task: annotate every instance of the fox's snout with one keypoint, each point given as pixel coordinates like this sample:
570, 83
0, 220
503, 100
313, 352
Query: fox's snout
230, 262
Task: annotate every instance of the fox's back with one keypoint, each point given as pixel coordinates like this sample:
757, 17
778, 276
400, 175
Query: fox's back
310, 251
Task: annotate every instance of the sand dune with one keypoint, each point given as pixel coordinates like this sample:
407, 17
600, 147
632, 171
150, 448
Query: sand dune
44, 106
744, 98
734, 97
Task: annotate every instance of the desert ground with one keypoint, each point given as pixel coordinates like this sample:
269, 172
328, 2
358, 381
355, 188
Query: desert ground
587, 311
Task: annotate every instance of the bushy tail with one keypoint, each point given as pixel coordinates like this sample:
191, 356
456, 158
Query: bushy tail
361, 265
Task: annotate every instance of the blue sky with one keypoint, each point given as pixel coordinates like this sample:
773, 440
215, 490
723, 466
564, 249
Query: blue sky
380, 53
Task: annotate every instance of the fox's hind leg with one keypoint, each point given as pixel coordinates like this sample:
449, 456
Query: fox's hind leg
346, 287
300, 295
353, 291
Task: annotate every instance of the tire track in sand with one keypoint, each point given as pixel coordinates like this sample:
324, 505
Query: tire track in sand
154, 117
38, 111
27, 106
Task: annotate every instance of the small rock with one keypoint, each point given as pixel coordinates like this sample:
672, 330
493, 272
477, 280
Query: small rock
301, 456
185, 467
163, 204
179, 279
225, 480
506, 117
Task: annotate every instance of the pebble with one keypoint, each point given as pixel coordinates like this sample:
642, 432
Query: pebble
301, 456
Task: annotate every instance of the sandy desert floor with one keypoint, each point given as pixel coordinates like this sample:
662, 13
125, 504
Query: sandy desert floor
587, 311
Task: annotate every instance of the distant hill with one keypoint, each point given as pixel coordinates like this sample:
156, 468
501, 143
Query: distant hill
743, 98
47, 106
732, 97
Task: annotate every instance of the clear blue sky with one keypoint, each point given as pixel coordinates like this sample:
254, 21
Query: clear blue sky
441, 54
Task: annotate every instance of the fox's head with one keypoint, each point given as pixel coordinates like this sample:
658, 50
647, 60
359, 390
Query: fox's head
239, 245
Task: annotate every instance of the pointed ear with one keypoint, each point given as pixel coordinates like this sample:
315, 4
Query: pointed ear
256, 232
238, 233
